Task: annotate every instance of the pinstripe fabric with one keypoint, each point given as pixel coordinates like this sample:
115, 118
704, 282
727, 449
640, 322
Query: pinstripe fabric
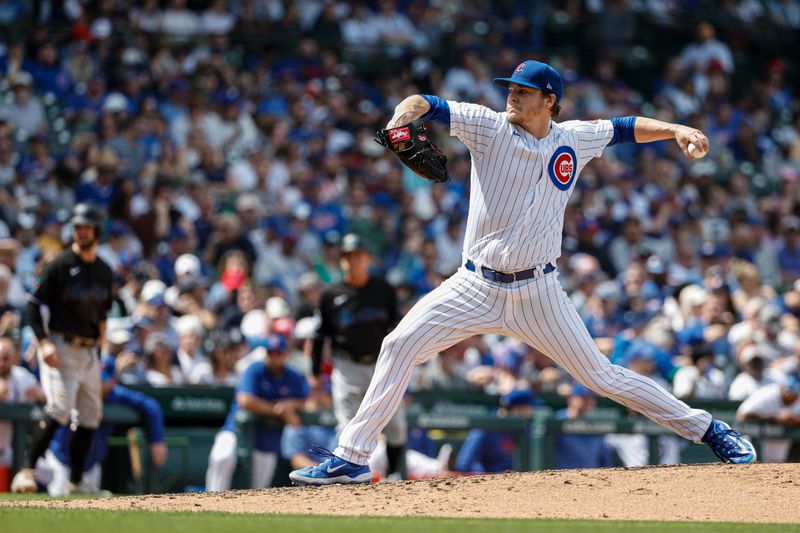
519, 190
462, 306
535, 311
540, 314
516, 214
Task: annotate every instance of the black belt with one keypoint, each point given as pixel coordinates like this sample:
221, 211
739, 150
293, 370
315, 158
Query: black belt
366, 359
510, 277
77, 340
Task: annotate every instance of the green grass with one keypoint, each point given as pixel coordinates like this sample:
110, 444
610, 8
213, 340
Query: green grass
9, 496
86, 521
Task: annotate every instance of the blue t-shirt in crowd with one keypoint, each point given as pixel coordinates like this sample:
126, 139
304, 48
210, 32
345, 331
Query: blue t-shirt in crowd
486, 451
580, 451
119, 395
258, 381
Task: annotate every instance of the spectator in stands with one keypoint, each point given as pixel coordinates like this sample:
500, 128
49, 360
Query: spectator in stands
191, 300
193, 363
770, 336
178, 23
630, 244
602, 314
707, 52
25, 111
778, 403
751, 377
218, 19
699, 378
266, 389
99, 187
784, 14
9, 254
749, 285
8, 161
10, 316
580, 451
17, 385
327, 266
492, 451
117, 241
48, 74
153, 311
789, 252
129, 367
162, 367
227, 350
447, 371
309, 289
234, 270
248, 298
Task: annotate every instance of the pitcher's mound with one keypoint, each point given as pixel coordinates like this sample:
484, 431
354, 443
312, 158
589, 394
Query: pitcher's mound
718, 492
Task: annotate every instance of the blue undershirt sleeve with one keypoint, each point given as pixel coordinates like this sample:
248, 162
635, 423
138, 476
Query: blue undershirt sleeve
623, 130
439, 111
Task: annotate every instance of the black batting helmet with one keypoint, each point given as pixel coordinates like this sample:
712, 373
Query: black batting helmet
86, 215
353, 243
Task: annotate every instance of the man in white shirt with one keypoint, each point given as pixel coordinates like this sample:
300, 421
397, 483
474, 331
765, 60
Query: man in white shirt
25, 111
751, 377
700, 379
17, 385
776, 402
707, 50
194, 365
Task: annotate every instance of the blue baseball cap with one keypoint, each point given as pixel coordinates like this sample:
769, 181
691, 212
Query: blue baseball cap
518, 397
536, 75
273, 342
277, 342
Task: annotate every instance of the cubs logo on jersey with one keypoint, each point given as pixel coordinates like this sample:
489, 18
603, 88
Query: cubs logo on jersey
562, 167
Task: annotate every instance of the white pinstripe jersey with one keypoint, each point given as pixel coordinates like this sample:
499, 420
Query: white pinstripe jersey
520, 185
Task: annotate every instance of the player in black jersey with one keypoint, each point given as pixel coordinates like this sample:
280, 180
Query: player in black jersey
355, 314
76, 287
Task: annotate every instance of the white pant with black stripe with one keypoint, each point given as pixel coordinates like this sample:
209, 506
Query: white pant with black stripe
536, 311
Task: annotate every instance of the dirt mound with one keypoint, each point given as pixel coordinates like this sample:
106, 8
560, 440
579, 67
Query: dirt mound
748, 493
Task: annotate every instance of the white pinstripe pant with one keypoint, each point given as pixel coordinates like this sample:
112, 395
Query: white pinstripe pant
536, 311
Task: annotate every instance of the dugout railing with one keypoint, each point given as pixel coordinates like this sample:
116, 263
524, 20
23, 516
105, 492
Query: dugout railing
194, 415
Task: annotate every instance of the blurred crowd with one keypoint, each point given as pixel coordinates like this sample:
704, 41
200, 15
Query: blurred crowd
230, 144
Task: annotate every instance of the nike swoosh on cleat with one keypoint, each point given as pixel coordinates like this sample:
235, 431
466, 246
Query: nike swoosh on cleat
334, 469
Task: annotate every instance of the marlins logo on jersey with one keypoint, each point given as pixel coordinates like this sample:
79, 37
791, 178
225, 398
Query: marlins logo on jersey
562, 167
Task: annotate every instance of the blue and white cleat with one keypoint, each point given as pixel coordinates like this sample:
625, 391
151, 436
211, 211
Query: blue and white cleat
728, 444
331, 471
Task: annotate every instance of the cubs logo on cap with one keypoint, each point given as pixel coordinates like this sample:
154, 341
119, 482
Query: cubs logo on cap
562, 167
536, 75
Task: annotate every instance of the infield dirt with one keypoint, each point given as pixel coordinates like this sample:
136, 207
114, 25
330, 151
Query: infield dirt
716, 492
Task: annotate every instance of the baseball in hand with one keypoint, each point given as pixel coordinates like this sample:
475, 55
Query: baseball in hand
696, 152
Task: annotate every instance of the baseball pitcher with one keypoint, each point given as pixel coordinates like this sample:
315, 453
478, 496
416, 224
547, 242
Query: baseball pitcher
524, 168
